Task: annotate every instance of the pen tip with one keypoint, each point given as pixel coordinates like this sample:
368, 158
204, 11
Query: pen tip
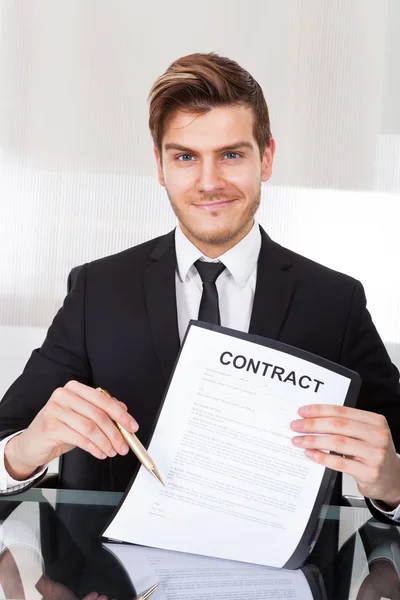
157, 475
150, 591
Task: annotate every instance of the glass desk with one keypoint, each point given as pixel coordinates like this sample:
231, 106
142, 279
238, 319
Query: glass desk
50, 548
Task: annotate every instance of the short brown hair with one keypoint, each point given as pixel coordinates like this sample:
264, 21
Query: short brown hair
199, 82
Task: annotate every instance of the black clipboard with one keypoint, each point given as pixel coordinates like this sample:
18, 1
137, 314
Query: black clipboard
314, 525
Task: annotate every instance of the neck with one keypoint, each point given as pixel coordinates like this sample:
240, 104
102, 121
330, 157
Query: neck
212, 250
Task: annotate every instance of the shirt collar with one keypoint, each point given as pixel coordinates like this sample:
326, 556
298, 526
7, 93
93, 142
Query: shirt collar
239, 260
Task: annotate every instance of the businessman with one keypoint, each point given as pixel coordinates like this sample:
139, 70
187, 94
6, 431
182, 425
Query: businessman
121, 325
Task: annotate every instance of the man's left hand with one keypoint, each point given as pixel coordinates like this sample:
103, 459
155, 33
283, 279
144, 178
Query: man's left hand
363, 441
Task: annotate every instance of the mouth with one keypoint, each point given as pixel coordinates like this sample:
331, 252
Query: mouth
213, 206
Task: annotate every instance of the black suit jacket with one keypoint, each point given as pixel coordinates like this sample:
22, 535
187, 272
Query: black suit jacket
118, 330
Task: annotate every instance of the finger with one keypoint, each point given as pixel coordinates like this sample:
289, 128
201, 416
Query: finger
44, 586
73, 438
335, 443
101, 400
92, 596
341, 426
124, 406
358, 470
100, 420
353, 414
91, 431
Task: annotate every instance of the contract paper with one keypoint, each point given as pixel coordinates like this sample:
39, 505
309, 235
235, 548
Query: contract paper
236, 486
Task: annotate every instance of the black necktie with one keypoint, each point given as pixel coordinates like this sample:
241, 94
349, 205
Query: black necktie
209, 307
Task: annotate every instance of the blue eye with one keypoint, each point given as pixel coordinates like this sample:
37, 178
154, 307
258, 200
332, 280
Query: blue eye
185, 157
232, 154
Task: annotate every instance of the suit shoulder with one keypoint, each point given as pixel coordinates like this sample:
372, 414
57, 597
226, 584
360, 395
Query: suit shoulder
138, 255
317, 273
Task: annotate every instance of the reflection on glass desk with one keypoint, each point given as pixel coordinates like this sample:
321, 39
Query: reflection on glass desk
50, 548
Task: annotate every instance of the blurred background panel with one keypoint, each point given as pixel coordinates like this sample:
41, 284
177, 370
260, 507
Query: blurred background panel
77, 173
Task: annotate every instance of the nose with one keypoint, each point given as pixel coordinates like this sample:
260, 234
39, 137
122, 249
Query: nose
210, 180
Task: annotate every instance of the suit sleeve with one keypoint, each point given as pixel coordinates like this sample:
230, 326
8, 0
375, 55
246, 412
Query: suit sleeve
364, 352
61, 358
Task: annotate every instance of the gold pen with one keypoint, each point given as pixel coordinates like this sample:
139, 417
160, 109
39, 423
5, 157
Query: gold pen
137, 447
147, 593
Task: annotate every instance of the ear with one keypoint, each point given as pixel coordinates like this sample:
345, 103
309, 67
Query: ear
159, 167
267, 160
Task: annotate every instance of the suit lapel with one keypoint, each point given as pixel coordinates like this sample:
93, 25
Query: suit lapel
274, 289
160, 293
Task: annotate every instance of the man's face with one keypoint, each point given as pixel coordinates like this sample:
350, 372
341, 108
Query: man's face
212, 170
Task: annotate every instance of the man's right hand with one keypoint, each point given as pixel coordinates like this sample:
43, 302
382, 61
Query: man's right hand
75, 416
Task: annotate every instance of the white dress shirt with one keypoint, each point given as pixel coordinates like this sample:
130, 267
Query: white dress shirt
236, 287
236, 284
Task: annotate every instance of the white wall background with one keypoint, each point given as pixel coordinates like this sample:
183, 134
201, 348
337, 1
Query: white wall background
77, 179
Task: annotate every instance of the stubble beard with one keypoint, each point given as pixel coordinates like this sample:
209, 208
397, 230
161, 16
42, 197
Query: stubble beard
222, 237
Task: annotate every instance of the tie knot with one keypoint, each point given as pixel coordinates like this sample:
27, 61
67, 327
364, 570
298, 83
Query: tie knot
209, 271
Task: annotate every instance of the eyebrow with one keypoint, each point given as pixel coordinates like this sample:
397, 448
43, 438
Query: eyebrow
228, 148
